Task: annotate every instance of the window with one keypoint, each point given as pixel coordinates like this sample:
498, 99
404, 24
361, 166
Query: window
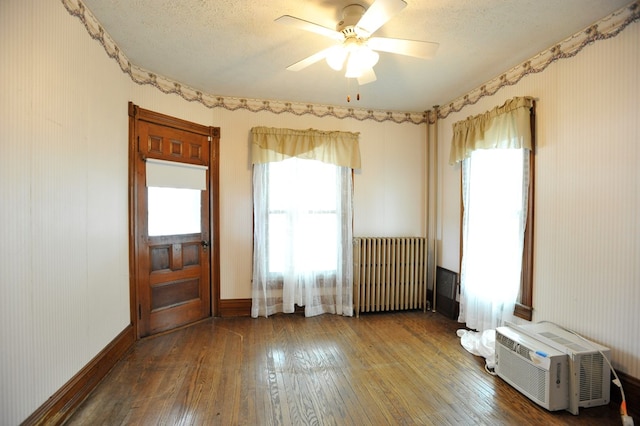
302, 238
496, 151
173, 211
174, 193
302, 215
495, 203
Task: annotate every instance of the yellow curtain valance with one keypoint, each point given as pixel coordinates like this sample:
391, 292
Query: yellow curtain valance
506, 126
273, 144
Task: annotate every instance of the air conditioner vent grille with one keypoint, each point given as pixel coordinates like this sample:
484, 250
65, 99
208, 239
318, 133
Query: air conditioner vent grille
505, 341
591, 368
565, 342
514, 346
531, 380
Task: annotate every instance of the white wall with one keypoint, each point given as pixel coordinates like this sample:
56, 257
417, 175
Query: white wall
587, 202
64, 277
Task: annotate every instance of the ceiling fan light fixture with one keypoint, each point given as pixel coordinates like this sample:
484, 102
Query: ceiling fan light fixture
367, 57
336, 57
360, 60
353, 70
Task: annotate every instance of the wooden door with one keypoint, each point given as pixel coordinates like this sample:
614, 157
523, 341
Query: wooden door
175, 245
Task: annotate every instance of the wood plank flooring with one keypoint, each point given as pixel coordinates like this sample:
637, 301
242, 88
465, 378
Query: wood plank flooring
403, 368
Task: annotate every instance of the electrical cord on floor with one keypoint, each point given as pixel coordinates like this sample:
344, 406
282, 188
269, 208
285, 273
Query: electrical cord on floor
491, 371
627, 420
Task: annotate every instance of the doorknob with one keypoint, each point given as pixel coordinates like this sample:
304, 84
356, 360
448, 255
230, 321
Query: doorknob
205, 244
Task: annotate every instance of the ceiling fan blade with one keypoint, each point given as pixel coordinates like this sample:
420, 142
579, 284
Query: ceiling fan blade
309, 26
310, 60
379, 13
417, 49
367, 76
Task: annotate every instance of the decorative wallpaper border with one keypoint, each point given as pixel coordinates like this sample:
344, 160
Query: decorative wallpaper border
606, 28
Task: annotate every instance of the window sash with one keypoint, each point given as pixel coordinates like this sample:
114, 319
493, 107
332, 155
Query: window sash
275, 246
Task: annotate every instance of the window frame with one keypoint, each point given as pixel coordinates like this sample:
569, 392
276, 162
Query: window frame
524, 304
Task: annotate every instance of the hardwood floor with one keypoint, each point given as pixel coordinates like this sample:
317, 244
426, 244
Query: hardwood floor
380, 369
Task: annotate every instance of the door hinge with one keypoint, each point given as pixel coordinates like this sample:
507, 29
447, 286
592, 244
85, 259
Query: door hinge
139, 311
209, 138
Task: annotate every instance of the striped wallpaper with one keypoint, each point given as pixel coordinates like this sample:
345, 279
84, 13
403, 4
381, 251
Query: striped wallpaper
587, 218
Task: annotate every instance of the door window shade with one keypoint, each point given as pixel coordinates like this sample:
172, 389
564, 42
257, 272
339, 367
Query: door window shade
171, 174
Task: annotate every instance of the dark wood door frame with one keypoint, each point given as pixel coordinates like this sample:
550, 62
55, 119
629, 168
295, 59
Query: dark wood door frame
139, 114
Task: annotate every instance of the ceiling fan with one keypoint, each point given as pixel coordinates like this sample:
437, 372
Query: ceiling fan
357, 50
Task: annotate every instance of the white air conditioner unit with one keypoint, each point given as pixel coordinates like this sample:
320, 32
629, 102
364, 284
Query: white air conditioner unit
535, 369
589, 372
526, 356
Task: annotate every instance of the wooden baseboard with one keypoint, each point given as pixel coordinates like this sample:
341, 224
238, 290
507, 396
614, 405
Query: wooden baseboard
235, 307
631, 387
62, 404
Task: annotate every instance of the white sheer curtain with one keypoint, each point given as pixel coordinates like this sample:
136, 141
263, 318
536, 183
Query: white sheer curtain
302, 222
495, 187
494, 149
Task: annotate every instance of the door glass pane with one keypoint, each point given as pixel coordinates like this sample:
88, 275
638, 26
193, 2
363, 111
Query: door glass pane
173, 211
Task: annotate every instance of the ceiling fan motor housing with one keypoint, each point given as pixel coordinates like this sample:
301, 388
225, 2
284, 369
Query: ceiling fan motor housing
350, 17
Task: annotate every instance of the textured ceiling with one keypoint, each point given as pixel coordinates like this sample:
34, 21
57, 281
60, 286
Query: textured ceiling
234, 47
